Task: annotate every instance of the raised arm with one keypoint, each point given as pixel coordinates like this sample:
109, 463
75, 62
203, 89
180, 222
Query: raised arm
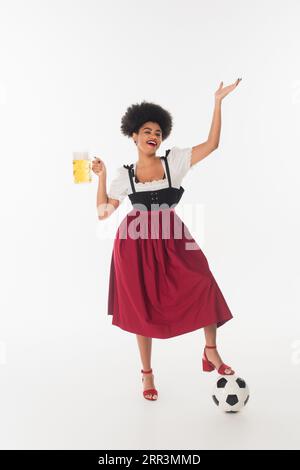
202, 150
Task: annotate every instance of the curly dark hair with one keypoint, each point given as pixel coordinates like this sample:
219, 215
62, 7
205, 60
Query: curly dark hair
137, 114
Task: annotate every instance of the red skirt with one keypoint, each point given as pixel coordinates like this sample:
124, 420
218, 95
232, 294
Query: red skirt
160, 283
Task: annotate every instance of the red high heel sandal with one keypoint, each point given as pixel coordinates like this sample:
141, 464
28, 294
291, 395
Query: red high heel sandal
208, 366
150, 391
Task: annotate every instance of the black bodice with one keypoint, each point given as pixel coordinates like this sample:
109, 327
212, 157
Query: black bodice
154, 200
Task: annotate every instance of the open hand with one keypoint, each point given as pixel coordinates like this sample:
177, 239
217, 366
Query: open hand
222, 92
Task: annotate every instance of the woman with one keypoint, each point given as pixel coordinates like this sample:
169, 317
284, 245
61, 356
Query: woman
160, 286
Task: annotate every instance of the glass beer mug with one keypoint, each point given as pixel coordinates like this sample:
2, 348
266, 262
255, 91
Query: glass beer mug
82, 167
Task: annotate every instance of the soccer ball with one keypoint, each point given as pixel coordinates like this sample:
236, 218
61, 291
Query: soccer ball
230, 393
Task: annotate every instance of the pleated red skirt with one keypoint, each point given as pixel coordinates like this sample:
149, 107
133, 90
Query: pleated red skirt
160, 283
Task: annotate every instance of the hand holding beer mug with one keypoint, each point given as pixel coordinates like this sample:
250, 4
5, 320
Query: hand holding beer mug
82, 166
98, 167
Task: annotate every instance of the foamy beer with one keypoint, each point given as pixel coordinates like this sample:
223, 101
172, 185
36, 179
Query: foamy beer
82, 166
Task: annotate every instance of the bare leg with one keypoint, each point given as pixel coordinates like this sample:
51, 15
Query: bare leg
145, 348
210, 333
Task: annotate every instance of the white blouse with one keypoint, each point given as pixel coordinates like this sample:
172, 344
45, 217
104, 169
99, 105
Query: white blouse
179, 164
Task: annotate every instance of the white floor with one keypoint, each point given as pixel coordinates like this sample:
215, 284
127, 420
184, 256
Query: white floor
76, 391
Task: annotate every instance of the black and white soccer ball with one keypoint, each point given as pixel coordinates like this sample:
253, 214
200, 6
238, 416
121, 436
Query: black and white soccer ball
230, 393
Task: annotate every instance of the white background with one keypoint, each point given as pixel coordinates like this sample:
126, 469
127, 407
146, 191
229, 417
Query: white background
69, 70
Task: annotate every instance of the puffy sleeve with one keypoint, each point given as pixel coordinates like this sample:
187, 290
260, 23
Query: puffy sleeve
119, 184
180, 162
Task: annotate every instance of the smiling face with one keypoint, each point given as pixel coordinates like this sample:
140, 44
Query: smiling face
149, 131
